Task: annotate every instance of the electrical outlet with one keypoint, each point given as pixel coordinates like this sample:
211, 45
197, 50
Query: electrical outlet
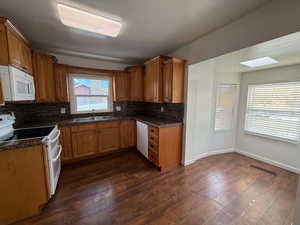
63, 110
162, 109
118, 108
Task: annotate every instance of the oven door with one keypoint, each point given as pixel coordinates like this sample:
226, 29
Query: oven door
54, 168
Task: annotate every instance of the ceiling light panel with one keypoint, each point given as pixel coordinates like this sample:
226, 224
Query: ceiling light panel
80, 19
259, 62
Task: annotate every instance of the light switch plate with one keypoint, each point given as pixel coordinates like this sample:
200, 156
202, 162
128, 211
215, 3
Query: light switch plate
162, 109
118, 108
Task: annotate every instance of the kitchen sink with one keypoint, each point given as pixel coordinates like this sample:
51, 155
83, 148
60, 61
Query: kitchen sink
92, 118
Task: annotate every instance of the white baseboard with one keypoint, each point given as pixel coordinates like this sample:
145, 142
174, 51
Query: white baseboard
206, 154
269, 161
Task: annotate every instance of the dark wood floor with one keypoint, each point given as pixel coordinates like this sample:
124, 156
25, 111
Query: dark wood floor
125, 189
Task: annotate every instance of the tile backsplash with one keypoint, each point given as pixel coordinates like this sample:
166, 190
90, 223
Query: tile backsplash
44, 112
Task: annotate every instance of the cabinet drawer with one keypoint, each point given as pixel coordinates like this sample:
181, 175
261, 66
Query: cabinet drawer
153, 130
153, 146
108, 124
153, 138
83, 127
153, 157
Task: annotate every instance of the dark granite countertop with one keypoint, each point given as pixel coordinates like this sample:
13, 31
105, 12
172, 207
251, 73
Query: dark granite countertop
157, 122
18, 144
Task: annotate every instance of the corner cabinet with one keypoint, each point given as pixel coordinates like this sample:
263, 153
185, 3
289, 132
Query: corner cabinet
44, 77
173, 80
121, 85
164, 80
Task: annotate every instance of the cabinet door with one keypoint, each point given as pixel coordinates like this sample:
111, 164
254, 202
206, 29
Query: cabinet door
44, 77
61, 83
15, 50
121, 86
136, 83
1, 94
66, 142
27, 58
149, 93
109, 139
167, 81
128, 133
84, 143
3, 44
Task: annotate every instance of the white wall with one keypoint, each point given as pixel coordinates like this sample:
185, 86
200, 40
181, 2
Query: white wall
89, 62
283, 154
297, 214
280, 17
201, 140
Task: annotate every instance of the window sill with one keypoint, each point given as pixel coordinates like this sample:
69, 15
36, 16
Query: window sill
272, 137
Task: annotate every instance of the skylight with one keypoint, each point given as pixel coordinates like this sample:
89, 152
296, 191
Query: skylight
264, 61
79, 19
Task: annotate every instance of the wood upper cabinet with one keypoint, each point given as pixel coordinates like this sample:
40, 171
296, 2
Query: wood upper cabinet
61, 82
3, 45
136, 77
121, 84
153, 81
44, 77
108, 136
2, 102
66, 143
173, 80
128, 133
20, 54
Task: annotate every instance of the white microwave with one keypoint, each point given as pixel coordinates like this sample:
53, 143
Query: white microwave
17, 85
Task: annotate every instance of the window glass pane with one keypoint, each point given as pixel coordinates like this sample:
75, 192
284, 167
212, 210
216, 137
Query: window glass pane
274, 110
83, 86
85, 103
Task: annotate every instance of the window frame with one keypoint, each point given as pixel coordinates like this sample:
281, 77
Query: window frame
73, 104
271, 137
234, 111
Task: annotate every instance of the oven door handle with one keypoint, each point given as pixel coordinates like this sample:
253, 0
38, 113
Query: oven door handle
55, 139
58, 155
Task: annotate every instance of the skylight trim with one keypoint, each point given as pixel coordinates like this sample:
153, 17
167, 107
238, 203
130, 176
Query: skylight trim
80, 19
259, 62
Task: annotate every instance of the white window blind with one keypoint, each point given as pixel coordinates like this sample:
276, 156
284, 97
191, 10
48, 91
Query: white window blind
225, 107
273, 110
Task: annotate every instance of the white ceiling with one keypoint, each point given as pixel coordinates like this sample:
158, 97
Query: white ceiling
285, 49
150, 27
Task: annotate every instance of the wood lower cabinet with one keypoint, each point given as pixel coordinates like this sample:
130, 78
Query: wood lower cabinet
66, 143
24, 187
164, 147
94, 139
128, 133
109, 139
44, 77
121, 86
